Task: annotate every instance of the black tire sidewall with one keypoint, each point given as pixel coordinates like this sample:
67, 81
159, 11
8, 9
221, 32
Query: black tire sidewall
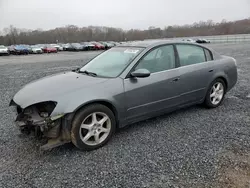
78, 119
207, 101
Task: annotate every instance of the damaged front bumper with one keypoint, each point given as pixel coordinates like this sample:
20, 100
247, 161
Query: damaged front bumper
32, 120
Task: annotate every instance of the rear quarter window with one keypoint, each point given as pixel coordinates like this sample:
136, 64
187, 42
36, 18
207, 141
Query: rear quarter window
208, 54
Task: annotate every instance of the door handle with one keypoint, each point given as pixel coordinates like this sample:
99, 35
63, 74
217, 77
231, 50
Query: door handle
176, 79
211, 70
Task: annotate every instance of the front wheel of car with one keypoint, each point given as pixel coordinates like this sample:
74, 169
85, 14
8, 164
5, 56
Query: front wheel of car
215, 93
93, 127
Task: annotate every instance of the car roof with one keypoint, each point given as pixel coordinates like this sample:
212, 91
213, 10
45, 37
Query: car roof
148, 43
154, 43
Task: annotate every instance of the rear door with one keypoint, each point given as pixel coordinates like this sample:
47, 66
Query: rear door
195, 71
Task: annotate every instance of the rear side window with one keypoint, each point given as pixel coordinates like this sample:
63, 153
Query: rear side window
190, 54
208, 55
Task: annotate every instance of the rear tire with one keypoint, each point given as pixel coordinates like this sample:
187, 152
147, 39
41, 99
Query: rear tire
92, 127
215, 94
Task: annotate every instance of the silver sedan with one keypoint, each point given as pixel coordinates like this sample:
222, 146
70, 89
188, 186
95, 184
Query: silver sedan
126, 84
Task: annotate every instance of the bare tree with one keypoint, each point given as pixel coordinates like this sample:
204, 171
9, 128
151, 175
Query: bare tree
73, 33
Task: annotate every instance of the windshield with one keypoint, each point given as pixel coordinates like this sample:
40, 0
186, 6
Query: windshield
112, 62
2, 47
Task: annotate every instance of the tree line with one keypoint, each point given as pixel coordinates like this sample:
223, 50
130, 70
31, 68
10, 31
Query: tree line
72, 33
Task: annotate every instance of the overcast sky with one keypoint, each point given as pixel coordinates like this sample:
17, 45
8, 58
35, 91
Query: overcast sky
126, 14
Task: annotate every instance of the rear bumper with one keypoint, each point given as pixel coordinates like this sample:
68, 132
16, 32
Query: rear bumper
232, 74
233, 79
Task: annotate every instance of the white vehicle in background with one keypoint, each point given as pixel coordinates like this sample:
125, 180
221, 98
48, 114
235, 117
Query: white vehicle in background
189, 40
4, 50
88, 45
57, 46
66, 46
35, 49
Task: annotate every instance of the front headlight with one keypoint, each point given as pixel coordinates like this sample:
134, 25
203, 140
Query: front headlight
45, 108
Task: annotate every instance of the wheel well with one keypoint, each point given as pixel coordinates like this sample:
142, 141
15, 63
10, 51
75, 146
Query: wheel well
105, 103
225, 81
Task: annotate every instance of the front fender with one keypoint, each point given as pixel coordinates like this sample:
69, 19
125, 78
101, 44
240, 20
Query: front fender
110, 92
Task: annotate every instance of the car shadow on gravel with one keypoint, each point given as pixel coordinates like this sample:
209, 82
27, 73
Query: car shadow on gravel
162, 117
128, 130
131, 128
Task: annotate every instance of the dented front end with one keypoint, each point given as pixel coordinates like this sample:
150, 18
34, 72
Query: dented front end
37, 119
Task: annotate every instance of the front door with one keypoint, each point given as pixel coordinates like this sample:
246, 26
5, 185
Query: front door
159, 91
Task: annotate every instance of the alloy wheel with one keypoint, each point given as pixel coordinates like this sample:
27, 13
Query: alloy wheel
95, 128
217, 93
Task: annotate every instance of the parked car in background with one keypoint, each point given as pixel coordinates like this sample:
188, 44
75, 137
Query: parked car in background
35, 49
4, 50
61, 47
11, 49
42, 46
18, 50
112, 44
57, 46
98, 46
115, 43
75, 47
29, 48
123, 85
26, 46
49, 49
202, 41
89, 45
107, 44
65, 46
85, 46
189, 40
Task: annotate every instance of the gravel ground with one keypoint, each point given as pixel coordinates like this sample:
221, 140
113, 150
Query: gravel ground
193, 147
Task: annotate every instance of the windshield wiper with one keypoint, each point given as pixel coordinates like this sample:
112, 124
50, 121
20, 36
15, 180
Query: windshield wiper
88, 73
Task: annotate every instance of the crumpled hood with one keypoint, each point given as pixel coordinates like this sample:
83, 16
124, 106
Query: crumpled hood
50, 88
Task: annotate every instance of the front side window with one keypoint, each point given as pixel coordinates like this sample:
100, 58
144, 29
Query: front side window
190, 54
159, 59
112, 62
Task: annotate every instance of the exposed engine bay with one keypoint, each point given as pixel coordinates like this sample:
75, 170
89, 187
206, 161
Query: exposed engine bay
36, 119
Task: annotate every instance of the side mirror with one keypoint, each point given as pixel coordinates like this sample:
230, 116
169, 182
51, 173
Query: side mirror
140, 73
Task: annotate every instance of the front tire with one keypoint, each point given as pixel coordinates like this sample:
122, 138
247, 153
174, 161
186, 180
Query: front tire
92, 127
215, 94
